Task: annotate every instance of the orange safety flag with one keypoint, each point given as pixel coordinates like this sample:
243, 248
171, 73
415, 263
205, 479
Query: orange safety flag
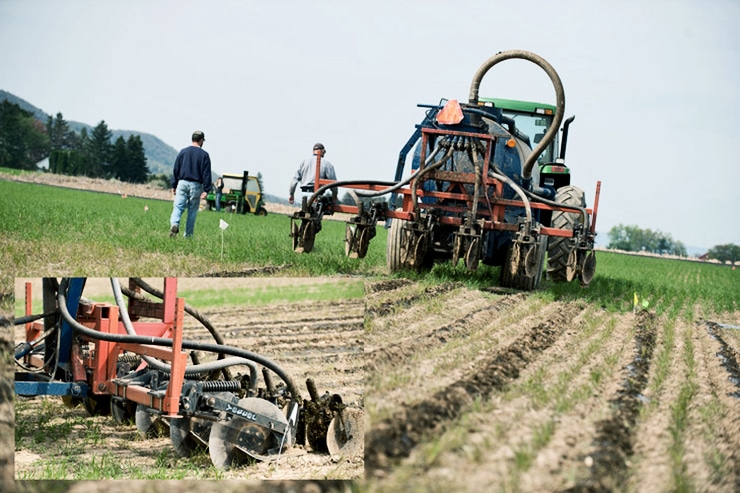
451, 114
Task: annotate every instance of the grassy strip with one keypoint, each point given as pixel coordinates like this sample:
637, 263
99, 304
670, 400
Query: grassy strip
53, 231
202, 299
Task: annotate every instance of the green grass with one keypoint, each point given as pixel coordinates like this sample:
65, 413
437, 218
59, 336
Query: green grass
202, 299
48, 230
54, 231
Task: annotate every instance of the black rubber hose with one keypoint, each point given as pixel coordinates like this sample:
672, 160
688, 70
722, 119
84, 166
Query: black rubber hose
30, 318
188, 309
165, 342
165, 367
393, 186
559, 94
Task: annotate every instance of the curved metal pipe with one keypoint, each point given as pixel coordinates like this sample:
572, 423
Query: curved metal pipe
559, 94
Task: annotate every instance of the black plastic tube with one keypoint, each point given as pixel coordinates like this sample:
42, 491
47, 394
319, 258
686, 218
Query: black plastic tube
165, 342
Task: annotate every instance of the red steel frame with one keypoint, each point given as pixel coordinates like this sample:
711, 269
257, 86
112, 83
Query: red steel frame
103, 355
492, 208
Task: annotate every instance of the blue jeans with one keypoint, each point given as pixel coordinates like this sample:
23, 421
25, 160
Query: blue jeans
187, 194
218, 201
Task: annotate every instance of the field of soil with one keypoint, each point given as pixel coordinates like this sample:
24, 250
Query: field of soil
489, 391
486, 390
318, 340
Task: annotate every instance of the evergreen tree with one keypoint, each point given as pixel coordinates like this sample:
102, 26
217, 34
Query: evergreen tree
23, 140
137, 171
100, 150
120, 159
60, 135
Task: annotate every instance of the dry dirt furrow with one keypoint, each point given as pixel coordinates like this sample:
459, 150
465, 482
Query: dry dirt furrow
389, 304
440, 364
400, 351
530, 436
614, 440
395, 437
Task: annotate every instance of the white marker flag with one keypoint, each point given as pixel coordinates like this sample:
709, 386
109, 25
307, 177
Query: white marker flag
222, 224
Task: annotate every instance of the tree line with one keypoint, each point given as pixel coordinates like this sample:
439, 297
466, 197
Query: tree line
636, 239
24, 141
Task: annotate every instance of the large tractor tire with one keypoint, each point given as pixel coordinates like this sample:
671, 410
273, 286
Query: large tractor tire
559, 248
395, 250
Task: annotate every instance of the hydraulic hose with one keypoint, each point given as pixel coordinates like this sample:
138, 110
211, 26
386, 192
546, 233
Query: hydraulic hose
582, 210
188, 309
473, 154
559, 94
417, 177
165, 342
393, 186
167, 368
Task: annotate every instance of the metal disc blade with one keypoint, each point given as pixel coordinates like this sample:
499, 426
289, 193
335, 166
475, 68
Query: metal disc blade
350, 249
364, 242
571, 265
232, 442
122, 410
588, 269
148, 424
189, 435
345, 434
471, 256
294, 234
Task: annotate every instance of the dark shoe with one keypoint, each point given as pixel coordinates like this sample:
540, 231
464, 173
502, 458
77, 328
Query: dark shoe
174, 230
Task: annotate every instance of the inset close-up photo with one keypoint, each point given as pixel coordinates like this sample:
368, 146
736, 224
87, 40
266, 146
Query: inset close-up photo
184, 378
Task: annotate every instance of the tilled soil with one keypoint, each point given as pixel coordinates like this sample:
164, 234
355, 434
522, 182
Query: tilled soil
313, 339
476, 391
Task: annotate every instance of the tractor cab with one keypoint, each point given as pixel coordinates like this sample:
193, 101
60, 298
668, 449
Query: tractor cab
533, 120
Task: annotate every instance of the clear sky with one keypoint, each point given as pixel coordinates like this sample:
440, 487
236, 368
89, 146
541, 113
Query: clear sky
655, 86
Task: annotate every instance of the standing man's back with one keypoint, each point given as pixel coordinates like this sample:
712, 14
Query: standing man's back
191, 181
306, 173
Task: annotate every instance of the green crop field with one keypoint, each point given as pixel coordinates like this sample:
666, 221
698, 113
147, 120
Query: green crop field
55, 231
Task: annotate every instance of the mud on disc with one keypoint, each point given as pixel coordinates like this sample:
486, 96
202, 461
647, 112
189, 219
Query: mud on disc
345, 435
229, 440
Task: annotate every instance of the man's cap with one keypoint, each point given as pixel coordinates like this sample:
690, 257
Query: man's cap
318, 146
197, 135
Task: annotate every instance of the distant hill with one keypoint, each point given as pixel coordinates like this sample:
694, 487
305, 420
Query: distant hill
159, 155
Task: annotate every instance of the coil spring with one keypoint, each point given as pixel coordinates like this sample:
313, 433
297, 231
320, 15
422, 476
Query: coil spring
129, 358
221, 386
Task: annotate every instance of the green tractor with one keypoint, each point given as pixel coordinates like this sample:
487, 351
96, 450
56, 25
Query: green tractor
241, 194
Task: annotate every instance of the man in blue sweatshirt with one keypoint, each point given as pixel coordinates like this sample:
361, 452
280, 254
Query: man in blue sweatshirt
191, 182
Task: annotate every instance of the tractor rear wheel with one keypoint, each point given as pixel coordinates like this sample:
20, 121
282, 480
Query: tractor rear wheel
559, 248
